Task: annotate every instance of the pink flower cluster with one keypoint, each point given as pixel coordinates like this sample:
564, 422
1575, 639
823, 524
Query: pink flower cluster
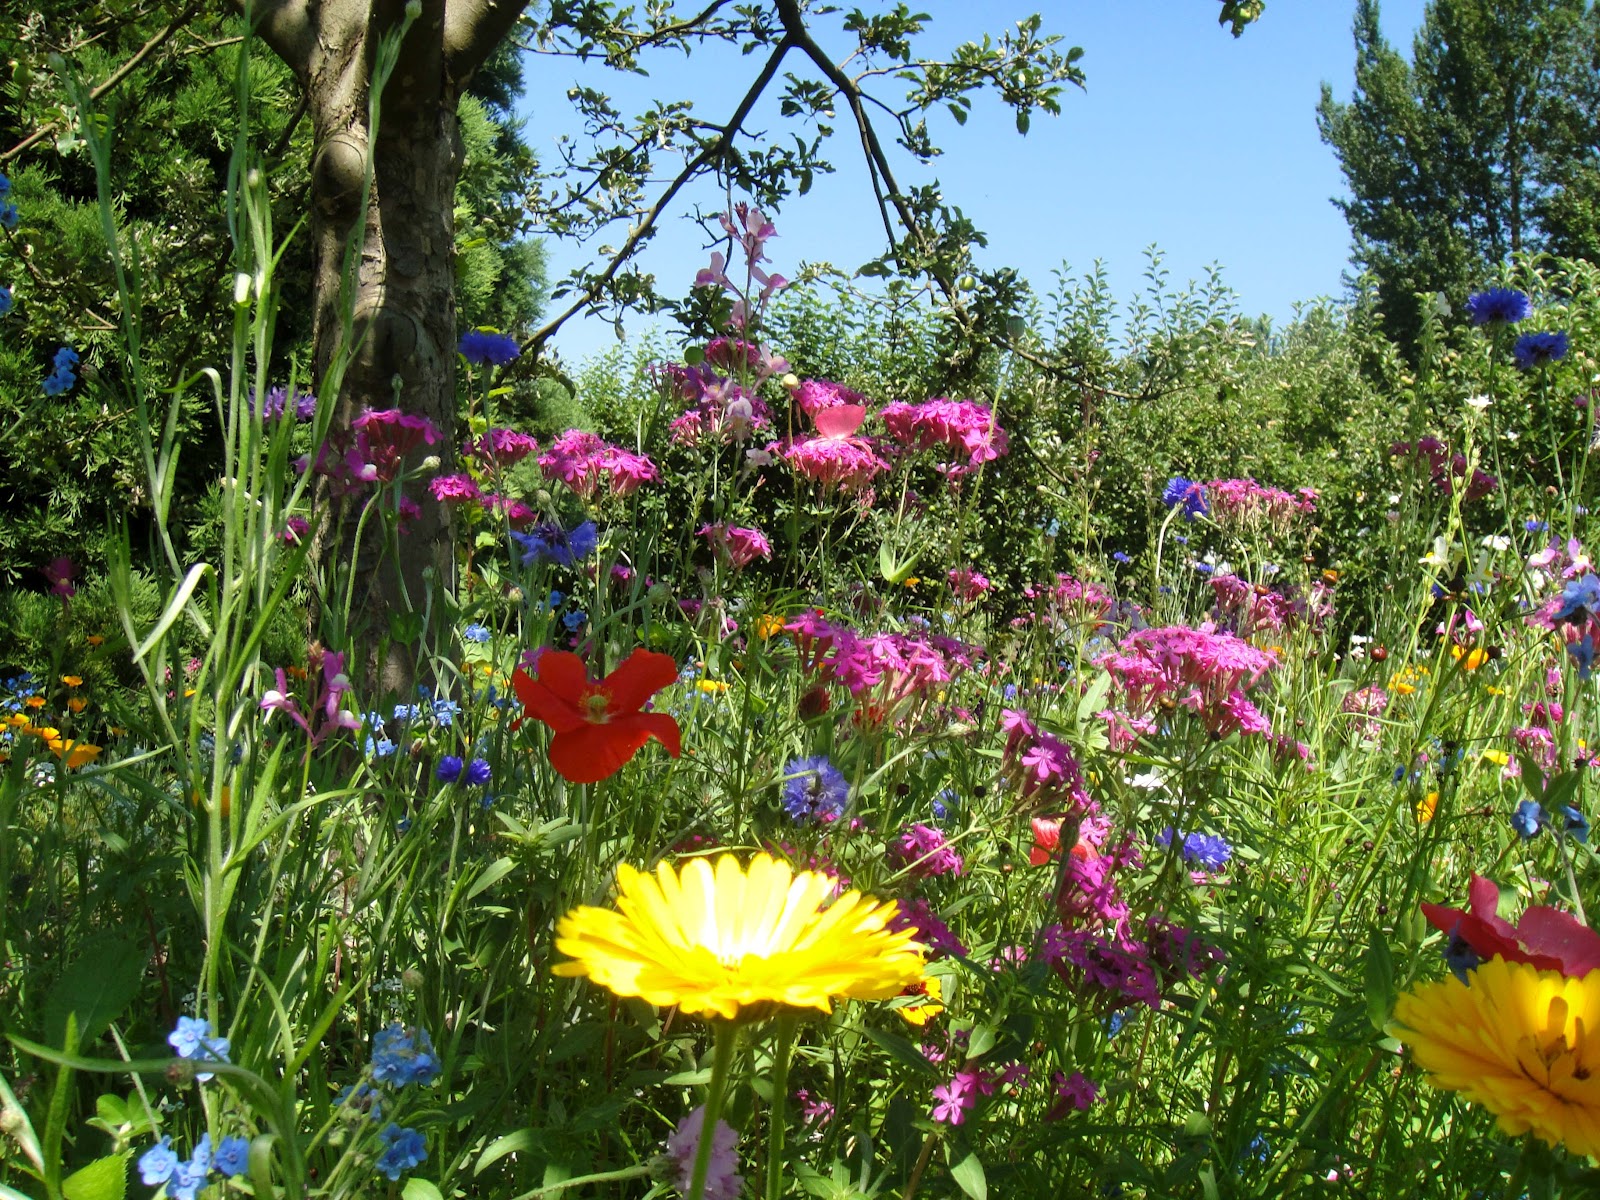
931, 930
968, 585
372, 451
500, 448
1203, 670
742, 546
585, 463
964, 426
889, 674
1244, 501
815, 395
1071, 604
327, 715
719, 407
1366, 705
1448, 471
1122, 966
954, 1100
924, 851
1042, 768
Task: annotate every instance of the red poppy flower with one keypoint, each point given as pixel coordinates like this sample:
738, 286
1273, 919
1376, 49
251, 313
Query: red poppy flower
1047, 843
1545, 938
598, 726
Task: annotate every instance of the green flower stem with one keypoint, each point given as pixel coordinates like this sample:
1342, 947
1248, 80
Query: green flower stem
782, 1049
721, 1060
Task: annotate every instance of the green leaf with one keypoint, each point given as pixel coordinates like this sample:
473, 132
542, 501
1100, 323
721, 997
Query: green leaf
969, 1177
99, 985
901, 1050
1380, 980
497, 871
103, 1179
516, 1142
420, 1189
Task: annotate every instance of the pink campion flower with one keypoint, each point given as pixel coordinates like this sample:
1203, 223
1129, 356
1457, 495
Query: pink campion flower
964, 426
454, 489
1366, 705
384, 437
1087, 891
815, 395
1203, 670
585, 463
517, 514
952, 1102
1244, 502
968, 585
294, 531
723, 1181
1072, 604
1042, 768
61, 571
835, 457
407, 511
501, 448
742, 545
925, 851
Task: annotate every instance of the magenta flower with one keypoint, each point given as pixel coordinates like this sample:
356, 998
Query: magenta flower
501, 448
925, 851
454, 489
723, 1180
835, 457
968, 585
815, 395
742, 546
61, 571
964, 426
1075, 1091
585, 463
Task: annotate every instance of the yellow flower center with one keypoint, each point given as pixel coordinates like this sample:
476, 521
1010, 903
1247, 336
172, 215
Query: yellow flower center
596, 707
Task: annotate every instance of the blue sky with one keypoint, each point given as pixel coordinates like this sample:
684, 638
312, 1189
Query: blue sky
1185, 138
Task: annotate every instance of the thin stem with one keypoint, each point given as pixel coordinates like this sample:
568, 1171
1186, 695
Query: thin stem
782, 1049
721, 1060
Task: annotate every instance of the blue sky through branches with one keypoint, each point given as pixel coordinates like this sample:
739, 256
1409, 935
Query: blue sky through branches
1185, 138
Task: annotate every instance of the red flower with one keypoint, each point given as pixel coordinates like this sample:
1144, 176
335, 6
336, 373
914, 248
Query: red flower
598, 726
1545, 938
1047, 843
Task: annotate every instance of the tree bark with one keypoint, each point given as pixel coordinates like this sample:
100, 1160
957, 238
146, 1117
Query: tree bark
404, 333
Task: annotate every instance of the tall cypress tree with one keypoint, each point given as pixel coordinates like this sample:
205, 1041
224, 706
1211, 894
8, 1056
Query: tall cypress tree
1481, 148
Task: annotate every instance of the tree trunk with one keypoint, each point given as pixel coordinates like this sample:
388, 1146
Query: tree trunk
404, 329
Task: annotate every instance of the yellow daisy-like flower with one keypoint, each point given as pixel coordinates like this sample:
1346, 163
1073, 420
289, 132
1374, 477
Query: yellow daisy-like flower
715, 939
1519, 1041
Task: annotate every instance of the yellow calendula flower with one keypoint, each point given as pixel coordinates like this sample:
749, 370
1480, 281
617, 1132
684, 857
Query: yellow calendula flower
930, 1002
711, 687
1519, 1041
73, 754
717, 939
768, 625
72, 680
1475, 657
77, 704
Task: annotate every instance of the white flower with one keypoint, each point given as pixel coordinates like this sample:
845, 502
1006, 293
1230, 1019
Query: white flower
1478, 402
1439, 556
1148, 781
1496, 541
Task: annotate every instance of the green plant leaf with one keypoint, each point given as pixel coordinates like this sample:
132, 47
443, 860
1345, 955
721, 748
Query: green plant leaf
101, 982
969, 1177
103, 1179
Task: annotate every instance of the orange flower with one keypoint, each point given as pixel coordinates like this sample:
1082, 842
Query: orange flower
77, 704
598, 726
1427, 806
94, 639
1047, 843
35, 702
73, 754
1475, 658
72, 680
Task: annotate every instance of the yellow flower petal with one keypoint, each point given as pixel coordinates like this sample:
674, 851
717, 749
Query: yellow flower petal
721, 938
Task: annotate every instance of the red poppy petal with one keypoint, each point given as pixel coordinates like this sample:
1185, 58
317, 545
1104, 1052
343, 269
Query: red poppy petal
594, 752
638, 677
543, 704
655, 725
565, 674
1549, 931
1441, 918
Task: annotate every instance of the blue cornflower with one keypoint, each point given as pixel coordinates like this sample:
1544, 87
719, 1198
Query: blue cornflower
814, 789
157, 1163
1204, 568
1582, 653
5, 300
476, 633
5, 189
556, 599
1188, 493
61, 377
1459, 956
1119, 556
399, 1057
481, 346
1577, 825
192, 1039
574, 619
1206, 851
66, 358
232, 1156
1534, 525
449, 769
1527, 819
8, 214
1114, 1023
402, 1150
1499, 306
943, 803
564, 547
477, 773
1579, 599
1537, 349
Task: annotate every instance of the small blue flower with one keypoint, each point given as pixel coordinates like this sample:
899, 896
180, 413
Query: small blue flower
444, 712
401, 1058
362, 1098
476, 633
556, 600
1206, 851
1579, 599
232, 1156
1119, 556
157, 1163
477, 773
574, 619
192, 1039
1535, 525
5, 300
814, 789
8, 215
403, 1149
1189, 494
943, 803
379, 748
1459, 956
449, 769
1499, 306
1537, 349
1582, 653
5, 189
405, 712
1577, 825
479, 346
1527, 819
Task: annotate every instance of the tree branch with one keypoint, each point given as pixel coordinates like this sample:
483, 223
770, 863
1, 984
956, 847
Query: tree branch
472, 29
116, 77
636, 236
286, 26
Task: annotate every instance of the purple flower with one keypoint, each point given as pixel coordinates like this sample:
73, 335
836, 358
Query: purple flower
564, 547
924, 850
1534, 350
1188, 493
449, 769
476, 774
723, 1180
814, 790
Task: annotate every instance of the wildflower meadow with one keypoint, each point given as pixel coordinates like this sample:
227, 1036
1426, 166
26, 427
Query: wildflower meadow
738, 769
